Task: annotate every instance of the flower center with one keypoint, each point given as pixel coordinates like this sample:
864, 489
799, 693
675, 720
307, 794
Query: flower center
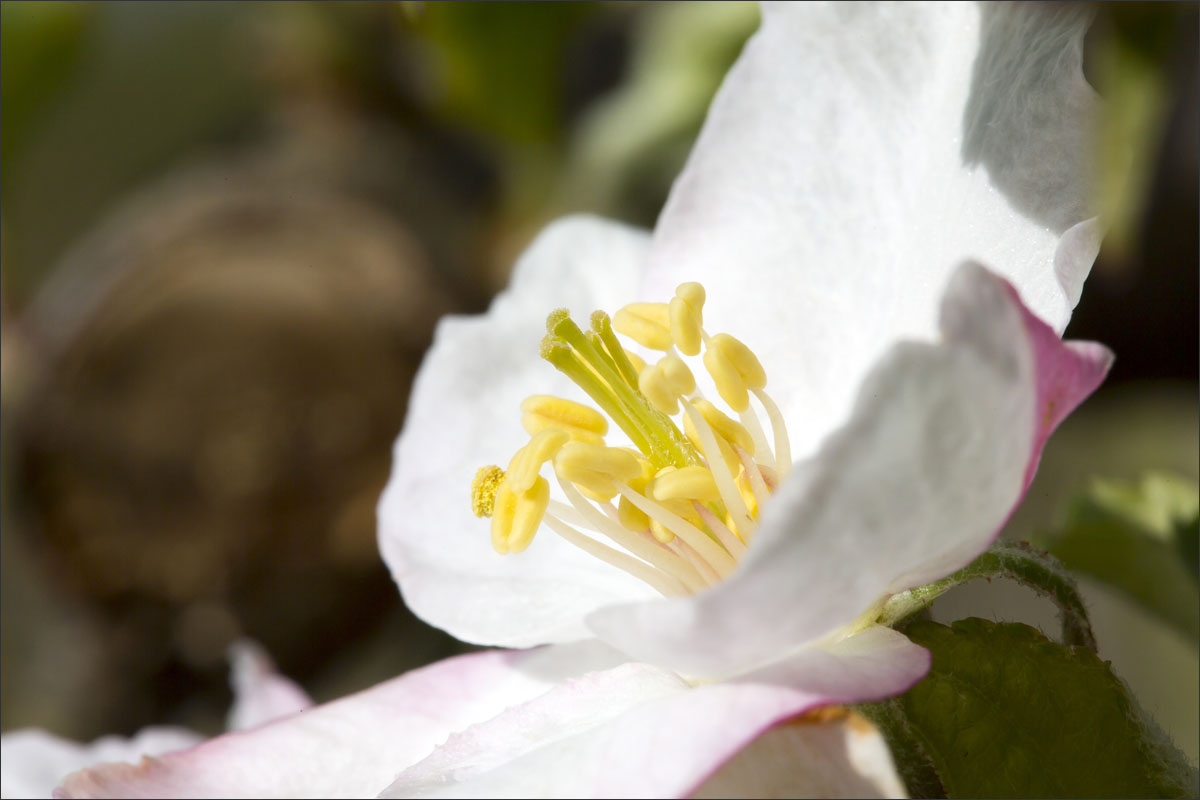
682, 507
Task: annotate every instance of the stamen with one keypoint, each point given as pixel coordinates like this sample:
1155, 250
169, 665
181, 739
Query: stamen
689, 483
653, 384
728, 538
648, 324
578, 462
783, 450
503, 512
761, 450
730, 384
527, 515
693, 293
635, 360
483, 489
708, 574
664, 584
685, 513
734, 369
583, 424
730, 495
524, 467
685, 326
757, 484
708, 549
648, 551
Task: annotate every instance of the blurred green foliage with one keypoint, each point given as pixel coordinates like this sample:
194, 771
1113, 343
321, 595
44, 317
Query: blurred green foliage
1139, 538
39, 47
1132, 72
501, 64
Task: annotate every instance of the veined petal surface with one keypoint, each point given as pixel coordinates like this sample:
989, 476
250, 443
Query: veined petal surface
854, 156
355, 746
465, 413
638, 731
939, 448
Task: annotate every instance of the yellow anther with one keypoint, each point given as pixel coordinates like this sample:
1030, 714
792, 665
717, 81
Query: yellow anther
581, 462
685, 327
595, 486
663, 383
680, 508
730, 384
647, 473
582, 424
693, 294
687, 483
660, 533
648, 324
525, 464
724, 426
527, 515
517, 515
483, 490
678, 376
503, 511
654, 385
630, 516
742, 359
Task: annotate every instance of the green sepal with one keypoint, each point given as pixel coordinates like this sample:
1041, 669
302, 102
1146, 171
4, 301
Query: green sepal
1017, 561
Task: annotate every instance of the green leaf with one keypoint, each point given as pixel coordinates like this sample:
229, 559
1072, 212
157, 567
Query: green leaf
1139, 538
1005, 712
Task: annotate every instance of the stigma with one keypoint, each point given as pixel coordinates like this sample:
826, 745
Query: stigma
679, 507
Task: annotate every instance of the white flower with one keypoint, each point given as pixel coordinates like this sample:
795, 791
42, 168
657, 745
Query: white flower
856, 166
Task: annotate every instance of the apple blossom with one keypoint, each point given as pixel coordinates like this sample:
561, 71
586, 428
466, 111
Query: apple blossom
858, 166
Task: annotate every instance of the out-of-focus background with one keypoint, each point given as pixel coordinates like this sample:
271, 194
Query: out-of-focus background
228, 231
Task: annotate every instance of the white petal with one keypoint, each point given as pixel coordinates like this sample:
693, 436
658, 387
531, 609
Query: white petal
855, 155
355, 746
654, 737
33, 762
260, 694
464, 413
939, 448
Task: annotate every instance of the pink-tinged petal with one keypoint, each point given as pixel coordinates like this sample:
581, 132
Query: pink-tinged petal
854, 156
351, 747
919, 482
260, 694
33, 762
1067, 372
826, 754
665, 743
464, 413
